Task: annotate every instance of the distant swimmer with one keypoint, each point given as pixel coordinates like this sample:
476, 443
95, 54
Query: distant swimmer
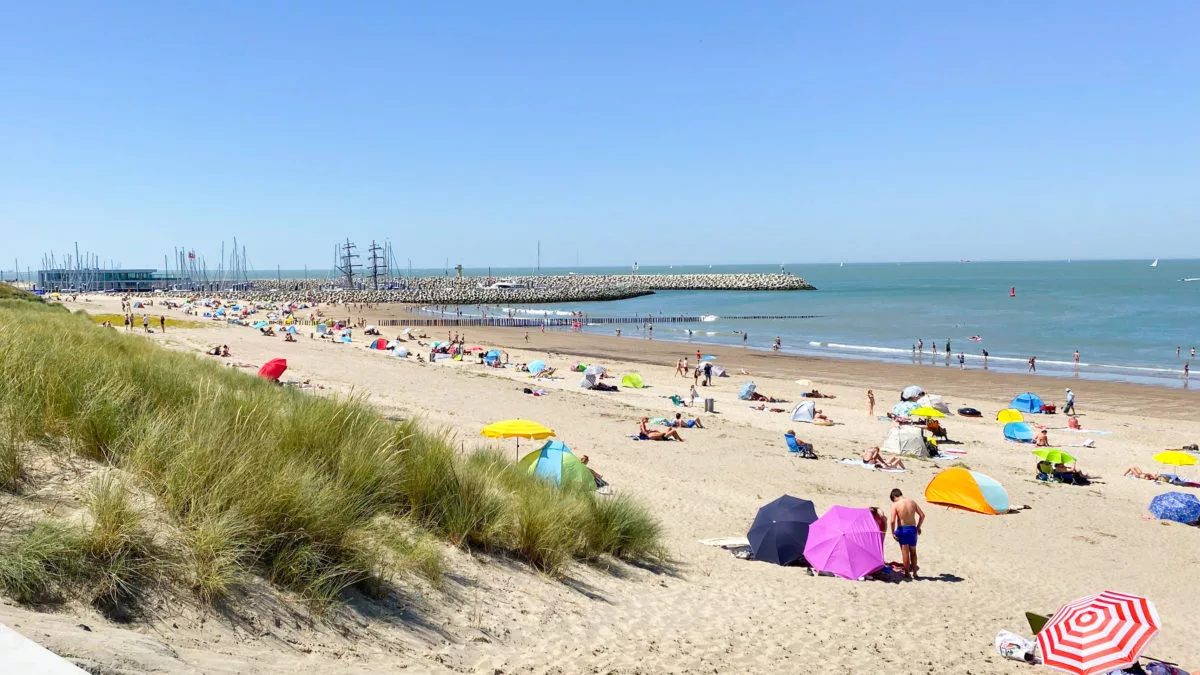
975, 338
1076, 358
1032, 364
920, 346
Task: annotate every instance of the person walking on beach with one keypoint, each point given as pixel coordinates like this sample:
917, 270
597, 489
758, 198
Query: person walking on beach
707, 373
1185, 369
907, 519
527, 336
920, 346
985, 355
947, 349
146, 322
679, 368
1032, 365
1076, 359
870, 403
686, 367
693, 393
745, 336
962, 361
1069, 408
162, 323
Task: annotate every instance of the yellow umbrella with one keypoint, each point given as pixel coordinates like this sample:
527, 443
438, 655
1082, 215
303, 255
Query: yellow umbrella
517, 429
1175, 458
1009, 415
926, 411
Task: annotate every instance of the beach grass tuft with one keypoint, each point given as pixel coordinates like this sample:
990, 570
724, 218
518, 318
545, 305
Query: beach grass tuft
252, 478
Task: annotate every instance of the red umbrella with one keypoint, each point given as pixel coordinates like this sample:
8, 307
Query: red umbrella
273, 369
1098, 633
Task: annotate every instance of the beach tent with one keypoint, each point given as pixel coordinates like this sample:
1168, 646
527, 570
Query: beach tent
379, 344
491, 357
968, 490
537, 366
1020, 432
633, 381
718, 371
934, 401
322, 328
273, 369
911, 393
1009, 415
805, 411
401, 352
291, 329
905, 440
1027, 403
903, 408
746, 391
345, 337
556, 463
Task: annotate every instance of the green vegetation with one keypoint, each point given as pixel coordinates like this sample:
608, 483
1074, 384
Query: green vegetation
119, 321
240, 476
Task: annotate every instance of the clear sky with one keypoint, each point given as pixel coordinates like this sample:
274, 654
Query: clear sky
663, 132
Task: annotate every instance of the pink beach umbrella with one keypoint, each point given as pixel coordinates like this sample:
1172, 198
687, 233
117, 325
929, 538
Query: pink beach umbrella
846, 542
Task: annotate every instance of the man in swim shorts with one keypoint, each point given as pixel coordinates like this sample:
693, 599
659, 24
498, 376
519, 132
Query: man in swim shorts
906, 521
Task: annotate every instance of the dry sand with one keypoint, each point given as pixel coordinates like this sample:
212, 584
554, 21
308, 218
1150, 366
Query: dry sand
715, 613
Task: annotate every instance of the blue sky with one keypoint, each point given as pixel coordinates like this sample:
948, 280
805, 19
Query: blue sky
665, 132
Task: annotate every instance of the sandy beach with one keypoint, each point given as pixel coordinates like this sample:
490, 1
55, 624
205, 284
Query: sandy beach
712, 612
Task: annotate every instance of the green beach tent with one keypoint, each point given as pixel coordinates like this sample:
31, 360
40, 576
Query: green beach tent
556, 463
633, 381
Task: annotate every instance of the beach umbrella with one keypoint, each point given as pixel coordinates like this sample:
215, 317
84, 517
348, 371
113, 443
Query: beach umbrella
746, 391
1098, 634
780, 530
1177, 506
903, 408
1053, 455
926, 411
911, 393
1175, 458
273, 369
401, 352
537, 366
517, 429
1009, 415
556, 463
846, 542
595, 370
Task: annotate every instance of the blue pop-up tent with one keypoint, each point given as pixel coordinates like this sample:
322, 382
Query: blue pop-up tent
492, 357
556, 463
1027, 403
1019, 432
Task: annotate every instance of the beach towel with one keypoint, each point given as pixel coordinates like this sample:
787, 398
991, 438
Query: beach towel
1078, 431
1089, 443
726, 542
863, 465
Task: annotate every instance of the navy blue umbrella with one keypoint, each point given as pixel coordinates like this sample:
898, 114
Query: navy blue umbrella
1177, 506
780, 530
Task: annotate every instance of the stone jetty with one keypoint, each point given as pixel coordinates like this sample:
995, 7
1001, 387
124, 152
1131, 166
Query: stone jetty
518, 290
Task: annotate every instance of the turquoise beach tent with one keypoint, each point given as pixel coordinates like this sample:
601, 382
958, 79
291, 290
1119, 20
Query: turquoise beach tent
1019, 432
260, 324
556, 463
537, 366
1027, 403
492, 356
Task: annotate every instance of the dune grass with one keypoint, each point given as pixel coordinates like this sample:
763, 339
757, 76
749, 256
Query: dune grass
315, 494
172, 322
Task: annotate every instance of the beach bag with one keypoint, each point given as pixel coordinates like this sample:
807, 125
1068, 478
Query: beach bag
1013, 646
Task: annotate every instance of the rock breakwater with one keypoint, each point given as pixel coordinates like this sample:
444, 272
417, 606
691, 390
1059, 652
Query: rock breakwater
521, 290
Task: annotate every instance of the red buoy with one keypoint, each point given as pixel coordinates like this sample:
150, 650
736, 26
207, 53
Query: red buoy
1012, 291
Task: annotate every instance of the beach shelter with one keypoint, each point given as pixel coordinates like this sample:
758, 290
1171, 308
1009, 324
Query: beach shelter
1009, 415
1177, 506
379, 343
780, 530
537, 366
903, 408
718, 371
259, 325
846, 542
556, 463
934, 401
911, 393
1020, 432
1100, 633
1027, 403
273, 369
345, 336
291, 329
322, 328
805, 411
968, 490
401, 352
491, 357
905, 440
746, 391
633, 381
591, 376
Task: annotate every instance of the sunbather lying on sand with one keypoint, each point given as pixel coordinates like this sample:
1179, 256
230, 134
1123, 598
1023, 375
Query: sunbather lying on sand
679, 422
816, 394
1138, 473
652, 435
872, 457
755, 396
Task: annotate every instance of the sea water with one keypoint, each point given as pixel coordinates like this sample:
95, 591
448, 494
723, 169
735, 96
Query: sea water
1125, 318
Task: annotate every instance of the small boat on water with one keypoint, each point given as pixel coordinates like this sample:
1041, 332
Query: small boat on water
1191, 279
1155, 263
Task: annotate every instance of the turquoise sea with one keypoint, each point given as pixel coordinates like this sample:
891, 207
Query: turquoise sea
1125, 317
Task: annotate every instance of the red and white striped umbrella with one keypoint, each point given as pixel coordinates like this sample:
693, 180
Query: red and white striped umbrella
1098, 633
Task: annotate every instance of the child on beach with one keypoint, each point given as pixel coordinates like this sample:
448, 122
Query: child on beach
870, 403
